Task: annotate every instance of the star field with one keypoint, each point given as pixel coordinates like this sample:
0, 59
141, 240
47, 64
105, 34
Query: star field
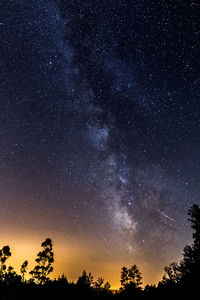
99, 127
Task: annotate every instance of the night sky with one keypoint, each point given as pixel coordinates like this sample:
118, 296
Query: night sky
99, 132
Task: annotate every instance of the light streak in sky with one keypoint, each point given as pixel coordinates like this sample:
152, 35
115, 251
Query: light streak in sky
163, 214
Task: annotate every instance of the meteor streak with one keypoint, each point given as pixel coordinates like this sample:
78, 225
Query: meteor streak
163, 214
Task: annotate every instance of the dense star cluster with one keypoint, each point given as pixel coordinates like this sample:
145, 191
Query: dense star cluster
100, 125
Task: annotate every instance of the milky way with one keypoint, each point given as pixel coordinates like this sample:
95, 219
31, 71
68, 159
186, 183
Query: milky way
100, 121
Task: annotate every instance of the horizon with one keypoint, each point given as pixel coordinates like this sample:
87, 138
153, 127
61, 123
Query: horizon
64, 263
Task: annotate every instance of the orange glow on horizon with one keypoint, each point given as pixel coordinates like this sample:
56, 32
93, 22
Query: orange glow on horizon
71, 258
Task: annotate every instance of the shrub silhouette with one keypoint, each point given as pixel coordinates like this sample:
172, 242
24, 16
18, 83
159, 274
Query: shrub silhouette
107, 286
85, 280
99, 282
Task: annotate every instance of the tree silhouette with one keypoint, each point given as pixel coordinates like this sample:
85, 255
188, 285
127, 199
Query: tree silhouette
44, 260
23, 268
130, 278
4, 255
190, 265
172, 274
124, 277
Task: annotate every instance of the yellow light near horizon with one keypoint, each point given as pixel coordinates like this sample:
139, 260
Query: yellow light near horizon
71, 258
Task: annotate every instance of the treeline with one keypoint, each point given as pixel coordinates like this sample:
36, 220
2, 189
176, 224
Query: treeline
179, 280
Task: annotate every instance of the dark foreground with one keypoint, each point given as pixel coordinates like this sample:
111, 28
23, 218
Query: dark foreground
62, 290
